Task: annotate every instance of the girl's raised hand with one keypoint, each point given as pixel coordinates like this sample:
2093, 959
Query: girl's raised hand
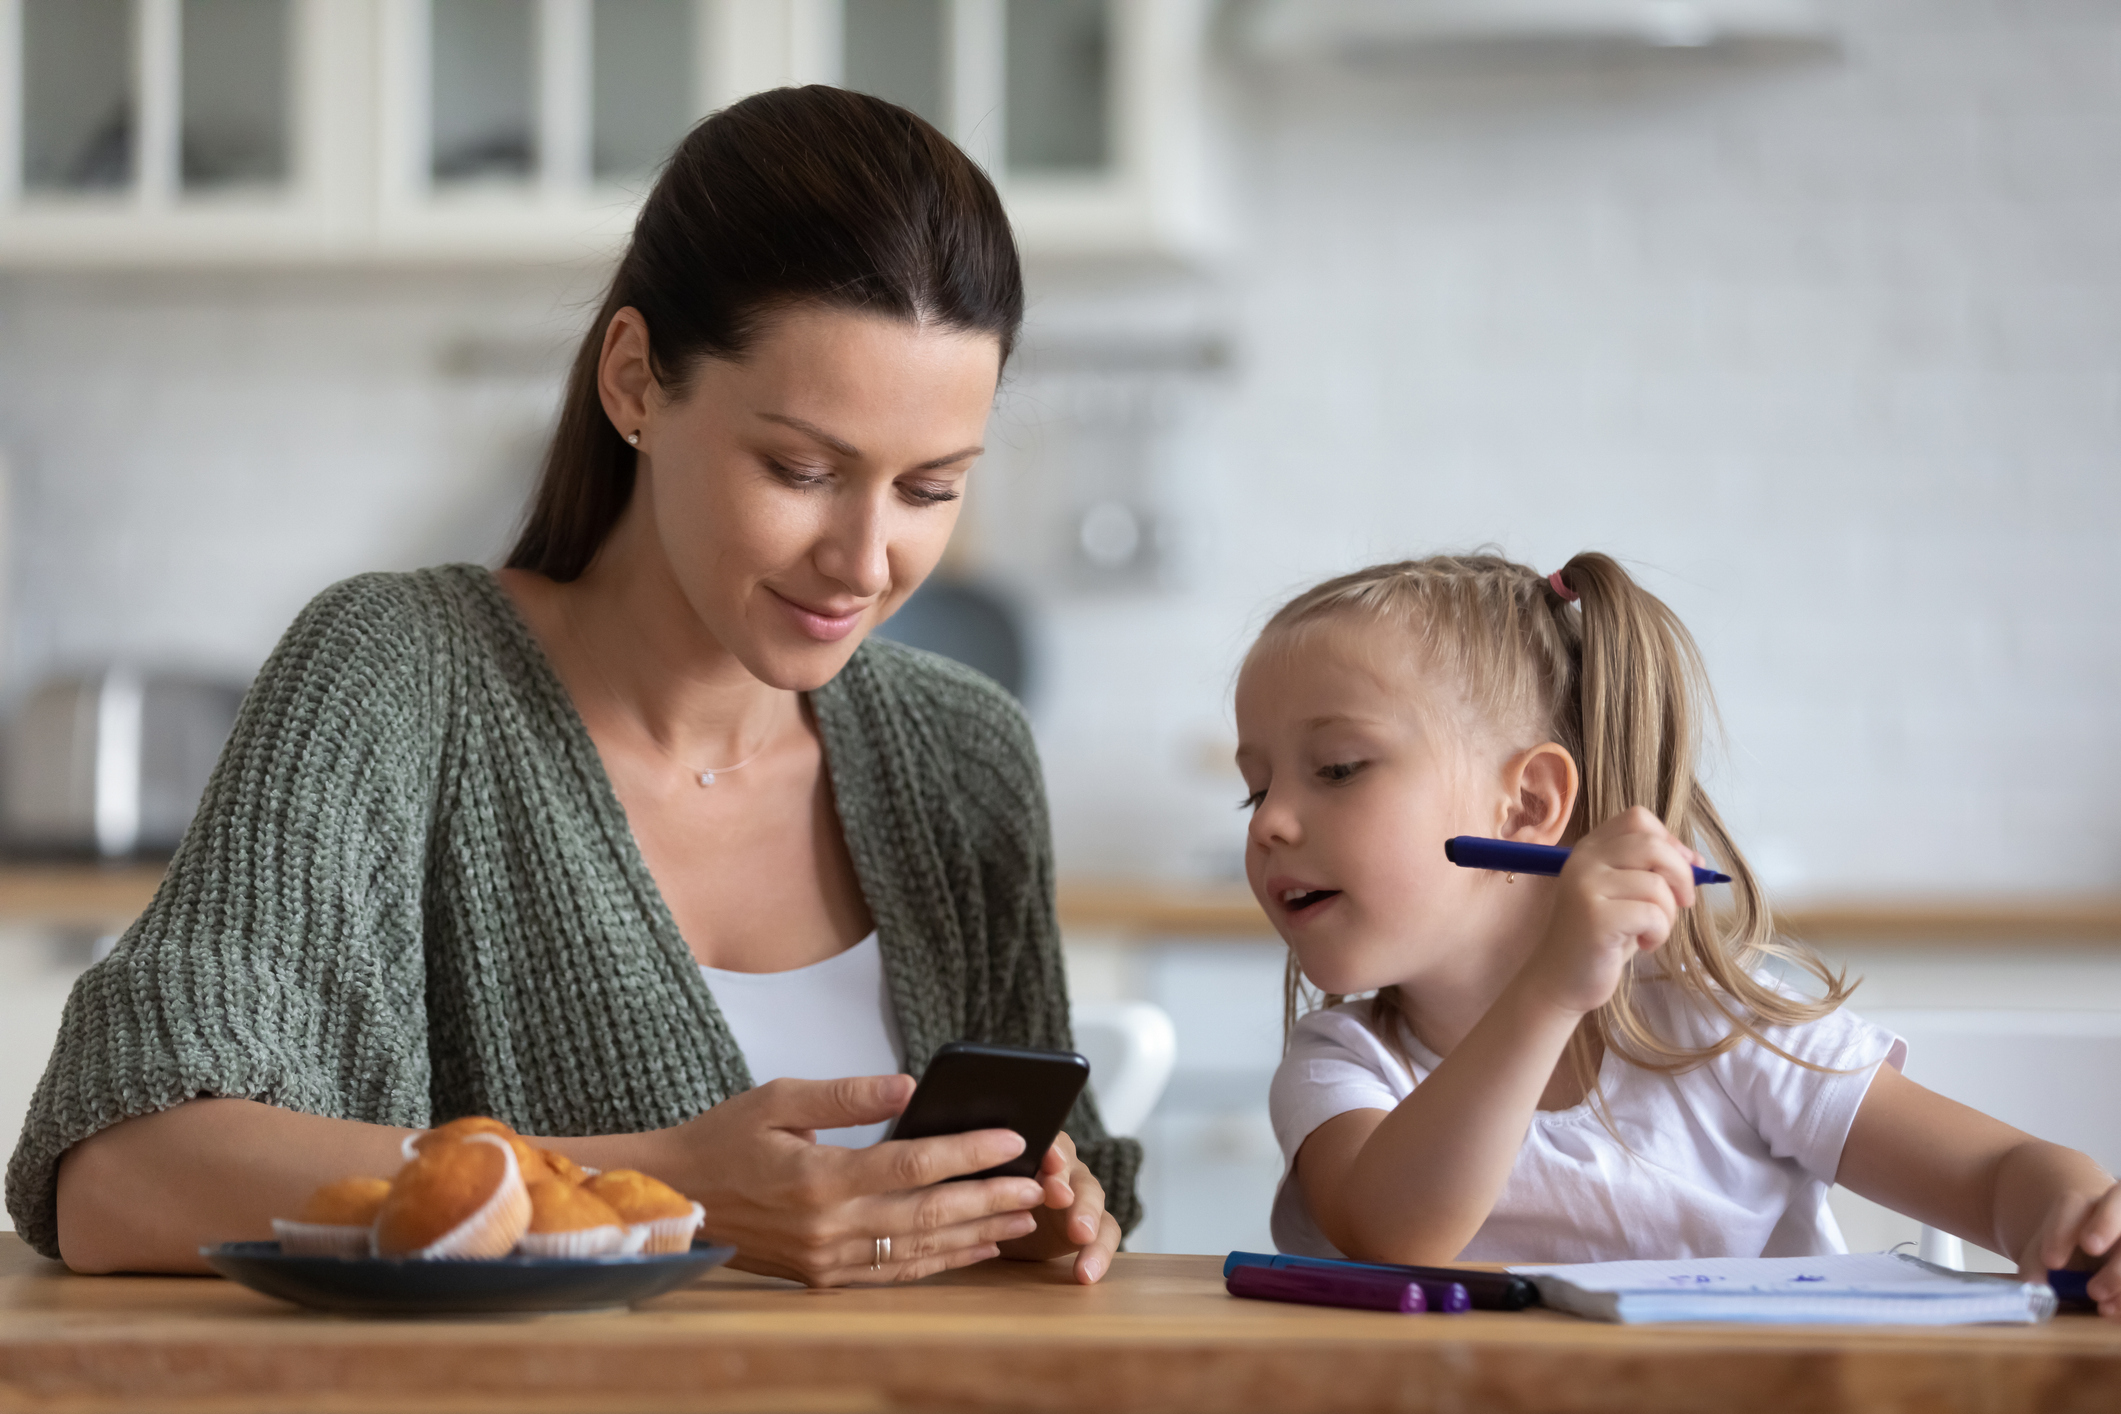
2080, 1222
1619, 895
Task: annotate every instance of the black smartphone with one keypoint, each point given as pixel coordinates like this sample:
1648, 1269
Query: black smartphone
971, 1086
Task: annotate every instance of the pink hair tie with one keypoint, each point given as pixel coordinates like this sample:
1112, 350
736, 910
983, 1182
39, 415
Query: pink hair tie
1561, 586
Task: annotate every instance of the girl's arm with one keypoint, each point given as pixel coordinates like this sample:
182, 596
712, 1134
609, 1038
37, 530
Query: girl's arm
1957, 1169
1416, 1184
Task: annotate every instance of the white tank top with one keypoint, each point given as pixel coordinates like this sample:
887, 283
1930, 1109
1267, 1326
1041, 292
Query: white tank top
821, 1022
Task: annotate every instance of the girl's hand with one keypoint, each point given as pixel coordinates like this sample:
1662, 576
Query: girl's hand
813, 1213
2080, 1222
1620, 894
1072, 1218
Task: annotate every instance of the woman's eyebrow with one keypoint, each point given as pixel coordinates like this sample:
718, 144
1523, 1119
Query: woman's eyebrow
848, 449
811, 429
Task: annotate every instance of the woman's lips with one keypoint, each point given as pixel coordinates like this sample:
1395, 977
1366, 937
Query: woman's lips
824, 627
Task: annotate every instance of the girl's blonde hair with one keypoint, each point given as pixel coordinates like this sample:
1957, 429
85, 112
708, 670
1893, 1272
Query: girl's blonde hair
1615, 679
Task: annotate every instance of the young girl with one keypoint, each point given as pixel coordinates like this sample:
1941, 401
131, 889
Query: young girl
1586, 1068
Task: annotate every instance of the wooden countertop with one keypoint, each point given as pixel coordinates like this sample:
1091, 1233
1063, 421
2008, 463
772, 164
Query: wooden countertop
1228, 911
107, 898
1158, 1334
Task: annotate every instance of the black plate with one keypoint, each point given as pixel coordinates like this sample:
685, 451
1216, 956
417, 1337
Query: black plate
398, 1288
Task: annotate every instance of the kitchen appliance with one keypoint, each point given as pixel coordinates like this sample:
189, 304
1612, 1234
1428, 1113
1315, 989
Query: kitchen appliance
111, 764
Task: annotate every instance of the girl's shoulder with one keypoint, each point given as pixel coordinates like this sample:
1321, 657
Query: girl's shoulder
1837, 1039
1348, 1035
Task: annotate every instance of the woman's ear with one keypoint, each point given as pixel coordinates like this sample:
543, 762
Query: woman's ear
1542, 785
625, 374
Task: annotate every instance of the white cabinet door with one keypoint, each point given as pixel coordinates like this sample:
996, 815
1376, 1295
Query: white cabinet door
181, 131
172, 132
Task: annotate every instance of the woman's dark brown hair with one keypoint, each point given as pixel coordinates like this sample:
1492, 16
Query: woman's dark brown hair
793, 196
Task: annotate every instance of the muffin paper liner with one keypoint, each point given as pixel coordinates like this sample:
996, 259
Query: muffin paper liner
668, 1234
602, 1241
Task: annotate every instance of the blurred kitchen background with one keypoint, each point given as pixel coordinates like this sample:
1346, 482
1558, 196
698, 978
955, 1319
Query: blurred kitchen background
1811, 312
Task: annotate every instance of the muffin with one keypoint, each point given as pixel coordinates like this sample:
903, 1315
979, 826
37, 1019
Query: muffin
564, 1169
529, 1158
657, 1216
569, 1221
460, 1200
336, 1221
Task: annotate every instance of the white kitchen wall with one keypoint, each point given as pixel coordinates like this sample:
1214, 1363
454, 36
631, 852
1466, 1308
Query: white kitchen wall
1829, 349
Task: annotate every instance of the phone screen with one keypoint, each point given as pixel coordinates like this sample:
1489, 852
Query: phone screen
972, 1086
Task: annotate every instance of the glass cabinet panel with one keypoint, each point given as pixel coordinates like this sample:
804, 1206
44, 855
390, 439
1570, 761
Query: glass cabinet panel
896, 49
1057, 67
79, 108
485, 94
234, 77
641, 86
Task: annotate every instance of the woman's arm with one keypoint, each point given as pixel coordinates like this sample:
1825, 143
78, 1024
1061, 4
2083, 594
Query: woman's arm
1957, 1169
146, 1194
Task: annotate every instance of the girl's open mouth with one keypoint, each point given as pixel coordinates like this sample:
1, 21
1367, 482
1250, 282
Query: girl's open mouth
1296, 901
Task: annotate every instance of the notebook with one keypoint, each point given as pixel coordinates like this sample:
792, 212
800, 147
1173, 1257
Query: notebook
1846, 1289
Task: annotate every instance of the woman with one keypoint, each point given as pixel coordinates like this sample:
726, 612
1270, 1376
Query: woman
596, 843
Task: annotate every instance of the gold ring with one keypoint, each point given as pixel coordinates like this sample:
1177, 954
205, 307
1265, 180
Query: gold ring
882, 1255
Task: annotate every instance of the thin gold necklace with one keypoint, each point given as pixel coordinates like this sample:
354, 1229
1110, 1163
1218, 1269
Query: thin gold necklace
703, 775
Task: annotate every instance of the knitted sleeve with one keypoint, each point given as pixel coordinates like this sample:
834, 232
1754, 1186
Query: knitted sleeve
281, 960
1002, 789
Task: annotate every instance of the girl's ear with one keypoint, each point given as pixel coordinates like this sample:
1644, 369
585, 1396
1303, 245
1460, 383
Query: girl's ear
1542, 785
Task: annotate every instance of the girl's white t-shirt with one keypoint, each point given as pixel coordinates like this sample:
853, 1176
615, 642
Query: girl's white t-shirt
1730, 1159
830, 1019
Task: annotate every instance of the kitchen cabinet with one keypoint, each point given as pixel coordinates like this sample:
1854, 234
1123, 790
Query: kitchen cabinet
155, 133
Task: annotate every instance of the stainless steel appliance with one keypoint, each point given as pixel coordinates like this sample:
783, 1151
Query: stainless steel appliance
112, 764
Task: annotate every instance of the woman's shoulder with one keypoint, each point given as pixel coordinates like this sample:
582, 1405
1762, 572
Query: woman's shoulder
384, 607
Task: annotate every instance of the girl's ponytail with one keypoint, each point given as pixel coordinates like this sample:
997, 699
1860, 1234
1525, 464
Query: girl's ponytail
1641, 694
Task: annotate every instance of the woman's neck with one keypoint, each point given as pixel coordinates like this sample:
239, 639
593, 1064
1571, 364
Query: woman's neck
633, 652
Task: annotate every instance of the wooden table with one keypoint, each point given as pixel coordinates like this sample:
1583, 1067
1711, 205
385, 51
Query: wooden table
1157, 1334
107, 897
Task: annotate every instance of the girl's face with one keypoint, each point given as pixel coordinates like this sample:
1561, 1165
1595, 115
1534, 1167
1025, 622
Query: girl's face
800, 495
1355, 785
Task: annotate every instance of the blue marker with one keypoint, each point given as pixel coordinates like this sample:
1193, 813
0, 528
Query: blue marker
2070, 1286
1510, 857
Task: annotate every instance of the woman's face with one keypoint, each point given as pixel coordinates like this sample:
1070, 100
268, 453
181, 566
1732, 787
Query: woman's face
800, 495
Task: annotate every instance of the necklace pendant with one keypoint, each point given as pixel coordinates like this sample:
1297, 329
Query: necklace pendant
706, 778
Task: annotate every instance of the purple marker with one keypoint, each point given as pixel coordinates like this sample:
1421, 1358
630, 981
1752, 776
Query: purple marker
1366, 1291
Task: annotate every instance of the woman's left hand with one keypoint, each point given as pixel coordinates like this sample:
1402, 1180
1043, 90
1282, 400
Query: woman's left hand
1072, 1219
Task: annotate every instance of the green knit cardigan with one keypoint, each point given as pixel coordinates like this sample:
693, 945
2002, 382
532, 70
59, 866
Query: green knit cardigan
410, 894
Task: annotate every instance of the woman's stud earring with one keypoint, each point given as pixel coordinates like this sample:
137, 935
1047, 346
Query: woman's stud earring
1509, 878
633, 439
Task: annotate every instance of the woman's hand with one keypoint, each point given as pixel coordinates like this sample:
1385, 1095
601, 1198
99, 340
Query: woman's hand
811, 1212
2087, 1223
1072, 1217
1620, 894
